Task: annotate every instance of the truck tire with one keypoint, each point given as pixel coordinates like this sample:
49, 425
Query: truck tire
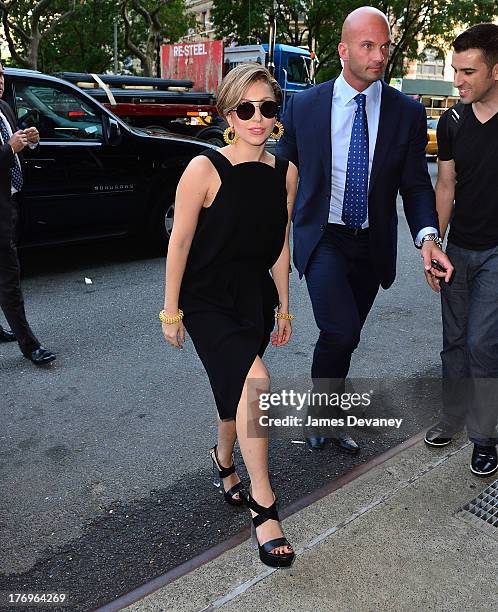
212, 135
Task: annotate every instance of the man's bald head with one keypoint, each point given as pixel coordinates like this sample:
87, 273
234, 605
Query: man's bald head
362, 18
364, 47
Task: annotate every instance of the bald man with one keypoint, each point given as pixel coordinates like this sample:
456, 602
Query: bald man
357, 142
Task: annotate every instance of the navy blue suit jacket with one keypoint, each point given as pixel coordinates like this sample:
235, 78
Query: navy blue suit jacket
399, 164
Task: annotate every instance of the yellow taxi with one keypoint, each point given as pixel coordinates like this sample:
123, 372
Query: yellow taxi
431, 148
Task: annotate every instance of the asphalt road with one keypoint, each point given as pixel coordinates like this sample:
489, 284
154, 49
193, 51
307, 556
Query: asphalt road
104, 471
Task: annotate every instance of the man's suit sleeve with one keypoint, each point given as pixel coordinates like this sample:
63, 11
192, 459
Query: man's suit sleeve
286, 146
415, 184
7, 159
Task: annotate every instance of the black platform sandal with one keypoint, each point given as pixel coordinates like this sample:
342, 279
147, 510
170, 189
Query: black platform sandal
265, 554
220, 472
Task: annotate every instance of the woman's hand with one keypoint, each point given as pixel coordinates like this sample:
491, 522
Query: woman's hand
283, 333
174, 333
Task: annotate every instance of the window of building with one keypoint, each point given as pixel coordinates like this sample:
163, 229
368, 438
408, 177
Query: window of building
430, 64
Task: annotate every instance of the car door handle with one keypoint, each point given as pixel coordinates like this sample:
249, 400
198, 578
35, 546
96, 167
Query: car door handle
40, 164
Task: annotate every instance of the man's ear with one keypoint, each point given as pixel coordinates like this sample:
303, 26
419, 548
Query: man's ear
494, 72
343, 51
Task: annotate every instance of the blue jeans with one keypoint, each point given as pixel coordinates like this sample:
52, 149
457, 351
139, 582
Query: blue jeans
470, 345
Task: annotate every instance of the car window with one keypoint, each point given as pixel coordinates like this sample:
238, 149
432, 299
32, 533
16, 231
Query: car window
57, 113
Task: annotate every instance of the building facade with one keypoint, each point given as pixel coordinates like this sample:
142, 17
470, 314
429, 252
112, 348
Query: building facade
204, 30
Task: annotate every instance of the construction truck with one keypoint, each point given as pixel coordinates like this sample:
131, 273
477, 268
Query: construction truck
183, 101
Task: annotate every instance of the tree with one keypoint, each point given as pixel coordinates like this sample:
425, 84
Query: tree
27, 24
432, 21
312, 23
318, 23
147, 22
85, 44
241, 22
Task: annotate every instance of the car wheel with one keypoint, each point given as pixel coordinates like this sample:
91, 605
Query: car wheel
168, 220
157, 232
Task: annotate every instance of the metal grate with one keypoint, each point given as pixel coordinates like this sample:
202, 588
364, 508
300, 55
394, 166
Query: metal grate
482, 511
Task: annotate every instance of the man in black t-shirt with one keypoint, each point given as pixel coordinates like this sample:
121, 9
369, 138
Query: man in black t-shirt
467, 195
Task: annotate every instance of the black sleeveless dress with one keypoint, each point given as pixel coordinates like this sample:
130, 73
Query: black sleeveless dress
227, 294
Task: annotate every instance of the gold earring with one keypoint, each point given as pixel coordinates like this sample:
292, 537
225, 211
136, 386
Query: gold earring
280, 130
229, 135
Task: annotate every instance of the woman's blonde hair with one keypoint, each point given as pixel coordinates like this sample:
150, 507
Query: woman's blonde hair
233, 87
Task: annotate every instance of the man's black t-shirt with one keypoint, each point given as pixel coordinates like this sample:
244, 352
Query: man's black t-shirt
474, 149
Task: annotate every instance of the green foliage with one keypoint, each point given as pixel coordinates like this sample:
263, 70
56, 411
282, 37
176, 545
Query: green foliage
148, 21
432, 21
83, 44
84, 39
26, 24
320, 23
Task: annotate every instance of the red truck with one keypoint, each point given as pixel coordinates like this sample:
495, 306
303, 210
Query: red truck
155, 105
183, 101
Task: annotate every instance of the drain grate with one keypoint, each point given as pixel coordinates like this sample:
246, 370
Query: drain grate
482, 512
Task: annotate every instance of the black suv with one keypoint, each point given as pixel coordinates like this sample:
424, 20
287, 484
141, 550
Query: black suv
92, 175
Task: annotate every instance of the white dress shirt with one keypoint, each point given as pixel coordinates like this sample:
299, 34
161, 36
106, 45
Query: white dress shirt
343, 112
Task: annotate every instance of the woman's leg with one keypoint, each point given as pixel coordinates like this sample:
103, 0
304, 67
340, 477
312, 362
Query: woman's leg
255, 449
227, 435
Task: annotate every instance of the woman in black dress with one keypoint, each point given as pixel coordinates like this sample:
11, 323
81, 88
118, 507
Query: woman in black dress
232, 216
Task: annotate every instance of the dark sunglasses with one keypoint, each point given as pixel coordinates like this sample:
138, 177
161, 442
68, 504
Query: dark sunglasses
246, 110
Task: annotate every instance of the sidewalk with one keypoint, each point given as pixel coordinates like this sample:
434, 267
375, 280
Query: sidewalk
392, 539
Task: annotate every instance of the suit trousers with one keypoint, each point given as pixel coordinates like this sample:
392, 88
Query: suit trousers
11, 298
470, 345
342, 284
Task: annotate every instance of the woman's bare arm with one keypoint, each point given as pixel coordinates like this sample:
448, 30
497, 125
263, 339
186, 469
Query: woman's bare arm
191, 193
280, 270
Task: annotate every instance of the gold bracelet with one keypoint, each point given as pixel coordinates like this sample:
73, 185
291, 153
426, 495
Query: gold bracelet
284, 315
170, 320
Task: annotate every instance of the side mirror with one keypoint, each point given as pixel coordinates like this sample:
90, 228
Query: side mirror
112, 131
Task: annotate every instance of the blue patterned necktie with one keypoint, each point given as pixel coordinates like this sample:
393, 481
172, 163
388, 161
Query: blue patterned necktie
16, 170
354, 208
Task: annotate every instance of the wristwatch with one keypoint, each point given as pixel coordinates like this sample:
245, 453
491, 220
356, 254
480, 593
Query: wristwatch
433, 238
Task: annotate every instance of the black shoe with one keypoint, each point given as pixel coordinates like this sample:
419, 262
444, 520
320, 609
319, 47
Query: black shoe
346, 443
6, 335
41, 356
220, 472
266, 554
436, 437
484, 460
316, 443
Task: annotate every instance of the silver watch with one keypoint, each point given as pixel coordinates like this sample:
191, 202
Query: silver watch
433, 238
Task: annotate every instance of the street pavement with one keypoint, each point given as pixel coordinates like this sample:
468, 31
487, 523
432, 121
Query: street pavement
401, 537
103, 456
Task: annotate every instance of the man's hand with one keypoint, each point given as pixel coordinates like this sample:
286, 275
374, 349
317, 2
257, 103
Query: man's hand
430, 251
18, 141
33, 135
